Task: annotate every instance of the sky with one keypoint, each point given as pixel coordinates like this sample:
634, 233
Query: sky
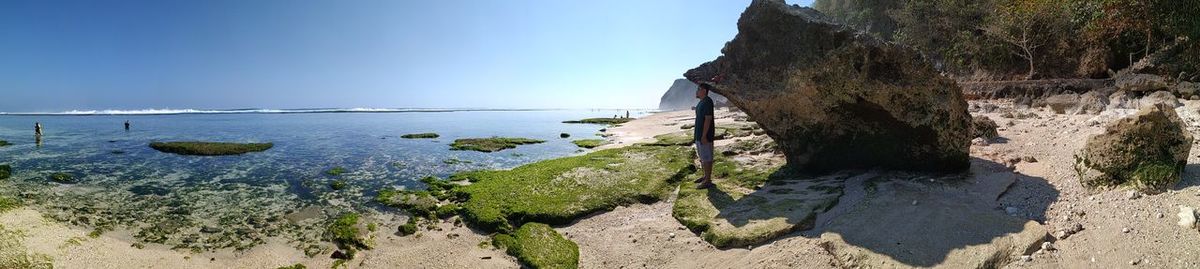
58, 55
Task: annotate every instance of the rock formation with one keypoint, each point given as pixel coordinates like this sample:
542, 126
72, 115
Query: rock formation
1146, 151
835, 98
682, 96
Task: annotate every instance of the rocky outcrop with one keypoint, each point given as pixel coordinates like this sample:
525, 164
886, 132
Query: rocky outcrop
682, 96
1187, 90
834, 98
1146, 151
1140, 83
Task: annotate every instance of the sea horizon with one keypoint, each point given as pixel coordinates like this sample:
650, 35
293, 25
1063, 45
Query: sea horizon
184, 111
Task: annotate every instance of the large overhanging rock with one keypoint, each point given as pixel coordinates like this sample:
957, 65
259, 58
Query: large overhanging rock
835, 98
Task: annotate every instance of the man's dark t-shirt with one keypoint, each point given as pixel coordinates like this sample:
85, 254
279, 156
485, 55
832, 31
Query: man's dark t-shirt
704, 108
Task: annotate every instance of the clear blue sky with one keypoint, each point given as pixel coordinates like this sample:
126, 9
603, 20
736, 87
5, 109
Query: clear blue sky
60, 55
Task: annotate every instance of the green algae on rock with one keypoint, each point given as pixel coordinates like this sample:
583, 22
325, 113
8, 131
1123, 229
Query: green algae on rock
539, 246
64, 178
4, 143
588, 143
558, 191
335, 171
420, 135
209, 148
1146, 151
8, 203
5, 171
753, 205
673, 139
609, 121
349, 233
492, 144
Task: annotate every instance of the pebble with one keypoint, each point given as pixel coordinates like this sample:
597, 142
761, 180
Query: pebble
1047, 246
672, 235
914, 202
1076, 228
1124, 230
1134, 262
1187, 217
1160, 215
1012, 211
1133, 195
1026, 258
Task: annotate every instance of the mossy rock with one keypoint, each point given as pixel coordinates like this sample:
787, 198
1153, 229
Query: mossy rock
589, 143
539, 246
420, 136
673, 139
64, 178
349, 233
337, 184
409, 227
417, 203
209, 148
5, 171
294, 266
610, 121
982, 126
492, 144
560, 190
750, 206
335, 171
4, 143
1147, 152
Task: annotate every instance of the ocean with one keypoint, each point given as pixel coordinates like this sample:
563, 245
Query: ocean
122, 182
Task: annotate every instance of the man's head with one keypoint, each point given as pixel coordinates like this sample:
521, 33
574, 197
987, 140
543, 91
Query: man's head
702, 91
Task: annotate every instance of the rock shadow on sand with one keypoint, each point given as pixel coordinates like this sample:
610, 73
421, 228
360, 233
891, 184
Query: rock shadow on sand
897, 219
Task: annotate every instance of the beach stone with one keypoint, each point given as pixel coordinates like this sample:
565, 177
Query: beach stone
982, 126
1140, 82
1187, 90
979, 141
835, 98
211, 229
564, 135
1122, 100
1091, 103
1187, 217
1146, 151
1159, 97
1062, 103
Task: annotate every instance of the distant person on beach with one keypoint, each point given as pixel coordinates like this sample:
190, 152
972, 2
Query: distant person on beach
37, 128
127, 125
627, 114
704, 132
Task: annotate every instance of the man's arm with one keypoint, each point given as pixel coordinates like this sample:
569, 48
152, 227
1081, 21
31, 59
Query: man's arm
707, 126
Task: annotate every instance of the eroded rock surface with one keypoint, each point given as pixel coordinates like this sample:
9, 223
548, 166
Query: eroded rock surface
1146, 151
835, 98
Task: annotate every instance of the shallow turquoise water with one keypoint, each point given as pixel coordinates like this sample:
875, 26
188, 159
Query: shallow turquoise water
368, 145
170, 199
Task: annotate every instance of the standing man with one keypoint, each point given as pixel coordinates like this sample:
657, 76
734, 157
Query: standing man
704, 134
127, 125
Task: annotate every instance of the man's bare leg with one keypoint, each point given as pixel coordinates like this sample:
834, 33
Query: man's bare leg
706, 181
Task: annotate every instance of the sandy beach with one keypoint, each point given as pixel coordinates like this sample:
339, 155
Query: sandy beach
1119, 230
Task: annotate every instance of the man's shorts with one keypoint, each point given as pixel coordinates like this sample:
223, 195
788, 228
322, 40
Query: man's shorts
705, 151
